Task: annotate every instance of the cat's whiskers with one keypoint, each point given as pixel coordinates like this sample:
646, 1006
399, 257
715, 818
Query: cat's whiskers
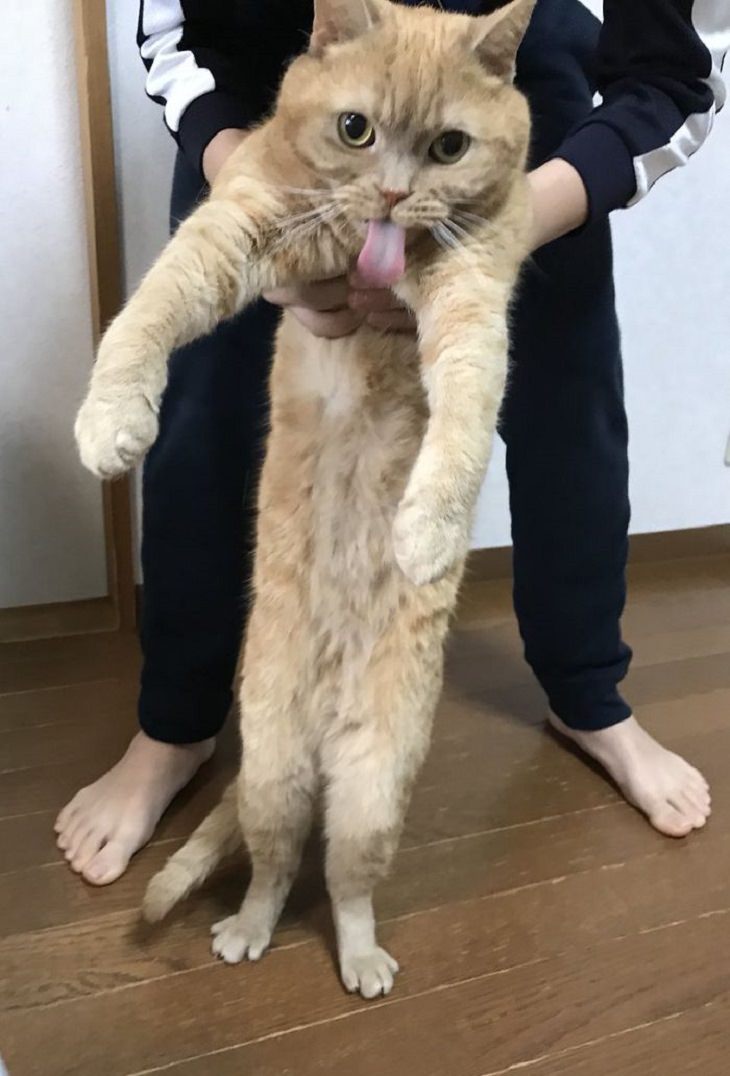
471, 218
440, 242
310, 192
307, 230
294, 229
292, 226
446, 233
443, 236
457, 228
367, 14
307, 214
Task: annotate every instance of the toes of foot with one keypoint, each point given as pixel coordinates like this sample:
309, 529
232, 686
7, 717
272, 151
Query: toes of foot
232, 941
686, 805
67, 816
76, 858
699, 782
72, 839
87, 849
699, 802
74, 835
700, 777
108, 864
370, 974
669, 821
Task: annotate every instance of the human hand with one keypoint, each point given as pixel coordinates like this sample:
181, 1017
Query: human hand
334, 308
321, 307
381, 307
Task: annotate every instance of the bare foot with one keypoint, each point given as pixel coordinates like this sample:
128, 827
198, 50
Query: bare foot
673, 795
106, 823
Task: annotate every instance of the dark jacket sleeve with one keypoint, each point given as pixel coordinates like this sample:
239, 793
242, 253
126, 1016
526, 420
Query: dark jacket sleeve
659, 76
208, 68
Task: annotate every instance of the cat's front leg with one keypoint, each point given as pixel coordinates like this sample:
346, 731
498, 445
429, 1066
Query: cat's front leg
463, 338
209, 271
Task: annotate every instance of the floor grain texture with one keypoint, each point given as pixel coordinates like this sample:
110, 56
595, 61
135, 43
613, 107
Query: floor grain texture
541, 925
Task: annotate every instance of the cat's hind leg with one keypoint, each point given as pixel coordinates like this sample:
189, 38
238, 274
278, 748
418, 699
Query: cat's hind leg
275, 815
366, 801
370, 761
277, 785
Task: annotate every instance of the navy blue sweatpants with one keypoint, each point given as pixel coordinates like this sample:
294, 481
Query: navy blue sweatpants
563, 422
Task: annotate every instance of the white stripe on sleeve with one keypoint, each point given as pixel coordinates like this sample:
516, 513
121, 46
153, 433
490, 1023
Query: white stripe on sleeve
711, 21
174, 74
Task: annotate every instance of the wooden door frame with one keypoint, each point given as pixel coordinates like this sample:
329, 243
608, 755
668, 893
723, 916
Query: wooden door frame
116, 611
105, 268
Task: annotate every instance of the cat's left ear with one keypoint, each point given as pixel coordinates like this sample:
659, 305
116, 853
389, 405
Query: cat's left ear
497, 37
341, 20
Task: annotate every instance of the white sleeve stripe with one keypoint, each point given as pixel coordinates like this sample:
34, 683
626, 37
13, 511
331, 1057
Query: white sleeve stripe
651, 166
712, 25
174, 75
160, 15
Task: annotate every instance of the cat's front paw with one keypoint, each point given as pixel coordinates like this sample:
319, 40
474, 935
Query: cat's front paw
425, 543
114, 430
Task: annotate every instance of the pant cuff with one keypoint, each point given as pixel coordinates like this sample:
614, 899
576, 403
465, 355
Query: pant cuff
170, 717
588, 711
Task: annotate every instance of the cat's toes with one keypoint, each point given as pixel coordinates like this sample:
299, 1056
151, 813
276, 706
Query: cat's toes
233, 939
370, 974
113, 434
426, 545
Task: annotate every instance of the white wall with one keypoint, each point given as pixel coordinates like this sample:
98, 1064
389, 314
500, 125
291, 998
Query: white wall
672, 279
51, 532
673, 271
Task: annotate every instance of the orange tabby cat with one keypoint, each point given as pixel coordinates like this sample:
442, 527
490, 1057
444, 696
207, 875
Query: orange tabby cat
399, 138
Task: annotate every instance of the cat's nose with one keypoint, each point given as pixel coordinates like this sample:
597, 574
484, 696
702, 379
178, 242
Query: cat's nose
393, 197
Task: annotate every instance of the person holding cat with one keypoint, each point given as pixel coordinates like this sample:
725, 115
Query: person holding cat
215, 66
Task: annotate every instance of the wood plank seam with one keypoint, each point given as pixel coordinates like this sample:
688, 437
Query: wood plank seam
390, 921
524, 1065
396, 1000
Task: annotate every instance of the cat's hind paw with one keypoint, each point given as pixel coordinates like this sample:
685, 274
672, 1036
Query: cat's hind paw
369, 974
234, 938
425, 543
113, 433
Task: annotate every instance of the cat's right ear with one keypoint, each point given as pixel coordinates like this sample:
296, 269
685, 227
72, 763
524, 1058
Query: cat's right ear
496, 37
341, 20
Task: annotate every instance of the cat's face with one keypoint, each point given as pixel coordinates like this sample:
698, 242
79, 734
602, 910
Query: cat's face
412, 119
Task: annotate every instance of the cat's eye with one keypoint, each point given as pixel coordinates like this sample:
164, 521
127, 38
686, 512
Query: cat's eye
449, 147
355, 130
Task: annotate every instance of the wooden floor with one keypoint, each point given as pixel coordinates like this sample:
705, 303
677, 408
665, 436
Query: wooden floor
540, 924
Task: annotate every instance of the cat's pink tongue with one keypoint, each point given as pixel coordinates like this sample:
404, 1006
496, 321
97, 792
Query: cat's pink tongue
382, 260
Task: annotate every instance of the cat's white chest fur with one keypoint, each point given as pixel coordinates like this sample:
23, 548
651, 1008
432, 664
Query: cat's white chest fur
331, 370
